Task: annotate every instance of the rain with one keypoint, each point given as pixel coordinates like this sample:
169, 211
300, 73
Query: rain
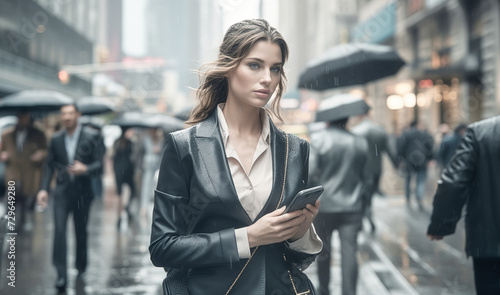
396, 101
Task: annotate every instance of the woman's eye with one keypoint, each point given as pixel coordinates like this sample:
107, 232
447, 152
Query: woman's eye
253, 66
276, 69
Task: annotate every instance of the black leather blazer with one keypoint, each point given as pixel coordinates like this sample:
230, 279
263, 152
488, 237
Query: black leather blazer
87, 152
471, 178
196, 210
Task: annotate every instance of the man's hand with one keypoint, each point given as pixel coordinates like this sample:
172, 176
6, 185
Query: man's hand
4, 156
434, 238
38, 156
309, 213
78, 168
42, 198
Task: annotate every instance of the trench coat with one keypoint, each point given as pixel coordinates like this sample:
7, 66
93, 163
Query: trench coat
20, 168
196, 210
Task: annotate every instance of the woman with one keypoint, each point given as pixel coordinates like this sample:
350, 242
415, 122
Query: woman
124, 171
216, 227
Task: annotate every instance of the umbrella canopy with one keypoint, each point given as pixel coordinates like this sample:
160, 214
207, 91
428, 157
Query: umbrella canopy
90, 105
184, 113
340, 107
95, 122
130, 119
142, 120
34, 100
166, 122
6, 122
350, 64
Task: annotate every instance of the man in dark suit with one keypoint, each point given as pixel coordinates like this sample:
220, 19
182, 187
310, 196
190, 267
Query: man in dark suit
378, 143
338, 162
449, 144
415, 149
472, 177
74, 154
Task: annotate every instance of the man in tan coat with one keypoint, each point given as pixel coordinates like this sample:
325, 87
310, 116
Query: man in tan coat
24, 149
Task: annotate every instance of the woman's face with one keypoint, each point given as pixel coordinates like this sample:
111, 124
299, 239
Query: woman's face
255, 79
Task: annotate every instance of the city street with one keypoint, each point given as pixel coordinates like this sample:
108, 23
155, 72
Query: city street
397, 259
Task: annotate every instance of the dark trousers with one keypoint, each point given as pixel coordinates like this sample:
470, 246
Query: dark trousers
97, 186
371, 189
348, 226
421, 182
63, 206
487, 275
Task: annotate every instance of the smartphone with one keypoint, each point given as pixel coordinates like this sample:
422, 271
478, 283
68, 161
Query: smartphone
304, 197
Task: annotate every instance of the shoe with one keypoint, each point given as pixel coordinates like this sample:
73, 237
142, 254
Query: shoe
129, 214
80, 275
61, 285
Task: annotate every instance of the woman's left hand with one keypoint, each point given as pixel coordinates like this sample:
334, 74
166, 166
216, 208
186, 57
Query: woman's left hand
310, 213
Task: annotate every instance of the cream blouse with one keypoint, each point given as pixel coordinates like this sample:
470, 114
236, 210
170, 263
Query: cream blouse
254, 187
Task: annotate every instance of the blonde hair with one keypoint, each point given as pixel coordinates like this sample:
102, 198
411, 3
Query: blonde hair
236, 45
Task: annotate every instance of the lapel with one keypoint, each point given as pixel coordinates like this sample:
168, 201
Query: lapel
81, 137
211, 150
62, 144
278, 149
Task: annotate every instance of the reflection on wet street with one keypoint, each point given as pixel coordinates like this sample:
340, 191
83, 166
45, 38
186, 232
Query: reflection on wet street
397, 259
118, 259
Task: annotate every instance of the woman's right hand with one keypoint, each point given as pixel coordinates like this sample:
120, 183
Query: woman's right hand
274, 227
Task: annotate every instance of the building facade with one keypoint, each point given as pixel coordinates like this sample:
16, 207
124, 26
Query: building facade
39, 37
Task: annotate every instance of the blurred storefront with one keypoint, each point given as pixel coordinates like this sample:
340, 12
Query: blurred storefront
451, 48
38, 38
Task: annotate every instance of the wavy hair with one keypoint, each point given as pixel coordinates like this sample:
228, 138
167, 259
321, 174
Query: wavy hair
236, 45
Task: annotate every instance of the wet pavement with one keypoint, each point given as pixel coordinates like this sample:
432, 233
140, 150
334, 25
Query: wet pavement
118, 258
397, 259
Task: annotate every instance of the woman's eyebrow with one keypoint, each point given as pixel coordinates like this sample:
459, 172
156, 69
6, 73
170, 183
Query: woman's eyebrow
262, 61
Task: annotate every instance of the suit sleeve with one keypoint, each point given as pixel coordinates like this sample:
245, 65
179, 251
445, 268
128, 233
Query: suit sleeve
453, 187
95, 166
172, 243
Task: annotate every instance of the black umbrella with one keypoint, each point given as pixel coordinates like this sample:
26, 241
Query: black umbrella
184, 113
350, 64
90, 105
34, 100
341, 106
95, 122
166, 122
130, 119
142, 120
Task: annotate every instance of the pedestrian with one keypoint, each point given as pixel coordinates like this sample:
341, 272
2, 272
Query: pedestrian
471, 178
449, 145
97, 185
152, 148
74, 154
124, 169
218, 222
415, 149
377, 140
23, 150
338, 162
